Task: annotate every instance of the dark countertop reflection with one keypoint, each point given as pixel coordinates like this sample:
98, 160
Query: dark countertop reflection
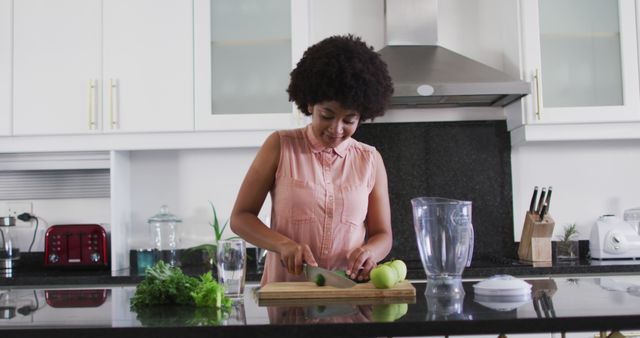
554, 305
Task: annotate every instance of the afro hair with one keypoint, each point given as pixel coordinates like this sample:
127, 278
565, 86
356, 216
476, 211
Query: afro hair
342, 69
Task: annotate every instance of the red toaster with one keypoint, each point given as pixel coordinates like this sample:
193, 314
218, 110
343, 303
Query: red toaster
76, 245
76, 298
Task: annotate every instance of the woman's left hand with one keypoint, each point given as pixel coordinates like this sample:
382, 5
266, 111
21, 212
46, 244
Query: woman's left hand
360, 261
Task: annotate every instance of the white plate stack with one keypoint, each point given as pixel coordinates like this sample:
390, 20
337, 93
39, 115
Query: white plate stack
502, 292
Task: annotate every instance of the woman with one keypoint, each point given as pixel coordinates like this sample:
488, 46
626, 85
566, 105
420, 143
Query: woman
330, 202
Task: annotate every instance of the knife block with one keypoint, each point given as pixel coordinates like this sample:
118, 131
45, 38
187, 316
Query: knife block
535, 242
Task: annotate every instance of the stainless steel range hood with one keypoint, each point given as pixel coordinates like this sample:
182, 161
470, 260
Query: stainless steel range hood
426, 75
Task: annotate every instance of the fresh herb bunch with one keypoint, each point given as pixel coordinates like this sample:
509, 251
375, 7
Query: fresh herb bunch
218, 231
567, 247
208, 293
164, 285
569, 231
181, 315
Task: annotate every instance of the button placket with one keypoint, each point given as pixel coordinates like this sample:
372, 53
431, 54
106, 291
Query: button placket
329, 203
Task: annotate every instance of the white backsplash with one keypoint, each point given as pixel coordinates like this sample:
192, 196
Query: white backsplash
589, 179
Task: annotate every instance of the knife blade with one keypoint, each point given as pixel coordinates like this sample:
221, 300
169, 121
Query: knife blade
330, 310
330, 278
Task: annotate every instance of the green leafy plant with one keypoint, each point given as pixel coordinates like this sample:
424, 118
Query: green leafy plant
218, 231
570, 230
567, 242
164, 284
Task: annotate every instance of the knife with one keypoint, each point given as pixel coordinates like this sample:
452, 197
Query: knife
548, 201
543, 212
330, 310
532, 205
541, 200
331, 278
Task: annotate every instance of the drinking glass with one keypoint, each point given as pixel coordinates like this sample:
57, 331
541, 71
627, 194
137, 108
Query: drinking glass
232, 265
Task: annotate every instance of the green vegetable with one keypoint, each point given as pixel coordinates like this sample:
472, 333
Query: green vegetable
180, 315
320, 280
165, 285
208, 293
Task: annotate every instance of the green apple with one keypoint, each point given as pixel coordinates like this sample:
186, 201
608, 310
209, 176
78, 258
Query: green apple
383, 276
401, 310
401, 269
388, 312
383, 313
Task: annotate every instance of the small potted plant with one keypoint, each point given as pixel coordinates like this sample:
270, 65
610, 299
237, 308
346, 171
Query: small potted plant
218, 231
567, 245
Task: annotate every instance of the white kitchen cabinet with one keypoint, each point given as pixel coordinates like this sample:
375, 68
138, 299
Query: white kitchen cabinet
90, 66
56, 66
581, 58
244, 52
5, 67
148, 65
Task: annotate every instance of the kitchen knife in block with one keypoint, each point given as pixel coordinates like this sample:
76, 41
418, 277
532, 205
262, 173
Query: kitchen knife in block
535, 241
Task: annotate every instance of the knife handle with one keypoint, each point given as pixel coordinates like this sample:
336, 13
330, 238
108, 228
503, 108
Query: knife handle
541, 200
548, 200
532, 205
543, 211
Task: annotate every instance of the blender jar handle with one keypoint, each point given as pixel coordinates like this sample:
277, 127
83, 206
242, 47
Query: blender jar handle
471, 240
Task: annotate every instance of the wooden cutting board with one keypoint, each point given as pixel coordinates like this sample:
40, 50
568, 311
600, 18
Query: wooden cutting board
309, 290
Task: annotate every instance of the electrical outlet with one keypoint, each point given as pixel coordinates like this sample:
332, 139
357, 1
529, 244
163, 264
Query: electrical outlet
15, 208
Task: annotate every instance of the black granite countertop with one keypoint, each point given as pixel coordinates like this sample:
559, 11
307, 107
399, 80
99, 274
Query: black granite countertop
32, 272
555, 305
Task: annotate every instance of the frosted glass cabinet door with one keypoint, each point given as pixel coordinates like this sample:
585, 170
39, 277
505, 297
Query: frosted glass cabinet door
5, 67
244, 52
584, 62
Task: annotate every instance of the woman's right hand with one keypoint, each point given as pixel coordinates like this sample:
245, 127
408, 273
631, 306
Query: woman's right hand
293, 255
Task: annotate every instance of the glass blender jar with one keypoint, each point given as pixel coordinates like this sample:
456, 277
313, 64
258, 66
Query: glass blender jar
162, 228
9, 251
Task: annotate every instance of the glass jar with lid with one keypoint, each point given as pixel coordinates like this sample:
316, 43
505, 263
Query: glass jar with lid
164, 235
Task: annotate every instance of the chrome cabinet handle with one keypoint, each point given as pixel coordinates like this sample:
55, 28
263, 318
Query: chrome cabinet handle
92, 104
113, 86
536, 78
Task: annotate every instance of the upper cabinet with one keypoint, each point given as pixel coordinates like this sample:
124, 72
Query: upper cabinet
244, 52
87, 66
581, 57
5, 67
56, 66
148, 65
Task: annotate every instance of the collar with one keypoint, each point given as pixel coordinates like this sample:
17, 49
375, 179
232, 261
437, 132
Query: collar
317, 146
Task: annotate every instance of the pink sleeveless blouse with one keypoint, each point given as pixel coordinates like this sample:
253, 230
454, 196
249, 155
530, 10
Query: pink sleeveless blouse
320, 198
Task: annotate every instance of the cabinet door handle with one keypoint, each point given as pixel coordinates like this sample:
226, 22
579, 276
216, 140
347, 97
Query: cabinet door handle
536, 78
92, 104
113, 86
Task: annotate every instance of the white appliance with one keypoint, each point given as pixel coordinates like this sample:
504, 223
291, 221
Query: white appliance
613, 238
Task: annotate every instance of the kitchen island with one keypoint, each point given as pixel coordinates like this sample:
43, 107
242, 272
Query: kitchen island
584, 304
